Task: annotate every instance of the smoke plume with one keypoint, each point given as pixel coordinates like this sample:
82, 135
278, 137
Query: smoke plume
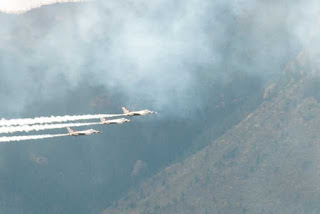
159, 54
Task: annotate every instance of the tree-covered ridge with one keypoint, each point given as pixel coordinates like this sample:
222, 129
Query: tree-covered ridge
268, 163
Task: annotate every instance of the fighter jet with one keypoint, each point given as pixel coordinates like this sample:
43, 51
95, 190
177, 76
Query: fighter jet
85, 132
126, 112
115, 121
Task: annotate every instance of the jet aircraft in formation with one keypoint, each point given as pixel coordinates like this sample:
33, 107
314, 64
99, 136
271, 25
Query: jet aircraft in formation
115, 121
84, 132
126, 112
106, 121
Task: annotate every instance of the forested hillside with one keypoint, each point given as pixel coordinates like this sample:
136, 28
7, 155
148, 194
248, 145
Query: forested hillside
268, 163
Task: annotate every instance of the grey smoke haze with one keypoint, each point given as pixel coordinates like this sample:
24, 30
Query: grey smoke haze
181, 58
150, 51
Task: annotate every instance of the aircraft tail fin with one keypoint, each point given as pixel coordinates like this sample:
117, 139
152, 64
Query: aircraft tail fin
125, 110
70, 130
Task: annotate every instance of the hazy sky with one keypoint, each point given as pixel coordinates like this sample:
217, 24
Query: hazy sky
16, 5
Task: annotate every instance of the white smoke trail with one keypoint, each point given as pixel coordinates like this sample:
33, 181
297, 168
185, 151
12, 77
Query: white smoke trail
30, 137
53, 119
26, 128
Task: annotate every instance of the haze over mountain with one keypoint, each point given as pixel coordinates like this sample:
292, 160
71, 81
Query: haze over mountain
204, 66
268, 163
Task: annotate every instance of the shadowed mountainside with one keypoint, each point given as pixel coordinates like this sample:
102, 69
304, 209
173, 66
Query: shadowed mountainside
268, 163
85, 175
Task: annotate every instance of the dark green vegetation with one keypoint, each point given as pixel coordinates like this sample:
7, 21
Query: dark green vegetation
268, 163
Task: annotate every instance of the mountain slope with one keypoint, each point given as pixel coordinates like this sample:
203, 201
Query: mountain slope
269, 163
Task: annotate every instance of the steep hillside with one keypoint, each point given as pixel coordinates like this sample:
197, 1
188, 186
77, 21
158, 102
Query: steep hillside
268, 163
